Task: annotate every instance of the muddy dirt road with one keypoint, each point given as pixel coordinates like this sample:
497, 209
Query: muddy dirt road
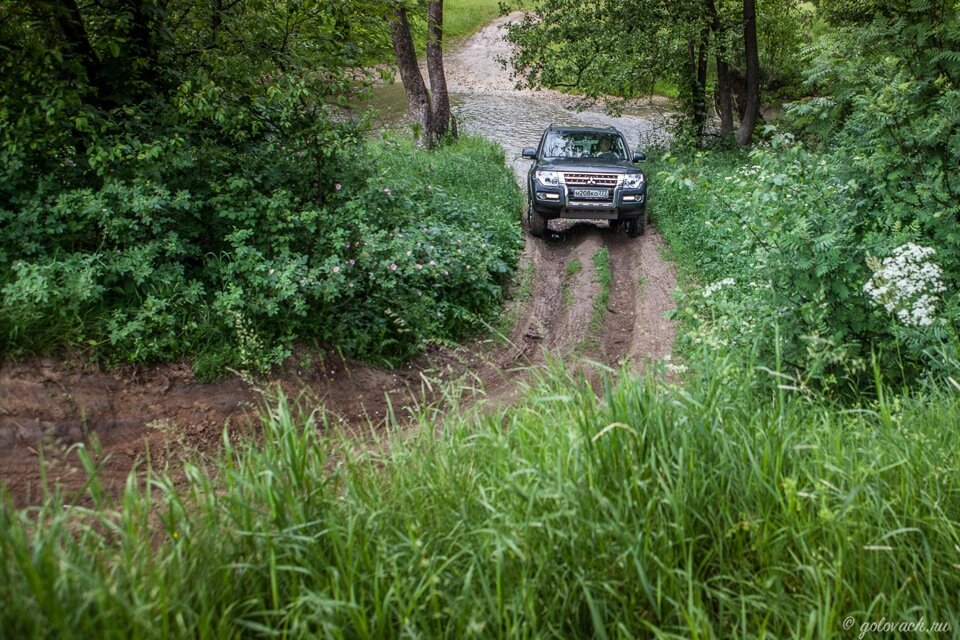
162, 413
560, 316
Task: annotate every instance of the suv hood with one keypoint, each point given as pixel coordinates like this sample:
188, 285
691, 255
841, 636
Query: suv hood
588, 164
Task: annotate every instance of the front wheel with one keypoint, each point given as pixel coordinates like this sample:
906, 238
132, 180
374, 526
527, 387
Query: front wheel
637, 226
536, 223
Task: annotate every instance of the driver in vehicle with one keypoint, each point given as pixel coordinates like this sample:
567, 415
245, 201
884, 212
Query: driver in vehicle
604, 149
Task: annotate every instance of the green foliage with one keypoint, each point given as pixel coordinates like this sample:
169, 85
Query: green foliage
415, 249
424, 248
781, 239
179, 180
785, 240
581, 45
783, 33
713, 510
633, 48
889, 93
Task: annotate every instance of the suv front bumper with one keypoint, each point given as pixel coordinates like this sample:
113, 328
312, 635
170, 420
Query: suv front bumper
555, 202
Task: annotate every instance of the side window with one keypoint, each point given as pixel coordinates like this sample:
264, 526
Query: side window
543, 144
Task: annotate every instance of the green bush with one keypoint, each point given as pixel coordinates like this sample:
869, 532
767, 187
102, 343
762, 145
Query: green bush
389, 248
845, 248
783, 240
168, 189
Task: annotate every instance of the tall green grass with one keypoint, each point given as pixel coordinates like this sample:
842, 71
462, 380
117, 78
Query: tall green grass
717, 510
462, 18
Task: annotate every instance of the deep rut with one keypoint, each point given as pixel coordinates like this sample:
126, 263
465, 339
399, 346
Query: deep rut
563, 319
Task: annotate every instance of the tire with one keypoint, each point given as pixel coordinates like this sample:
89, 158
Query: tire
536, 223
637, 226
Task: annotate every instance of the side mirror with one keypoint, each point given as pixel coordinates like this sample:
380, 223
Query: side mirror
639, 156
529, 153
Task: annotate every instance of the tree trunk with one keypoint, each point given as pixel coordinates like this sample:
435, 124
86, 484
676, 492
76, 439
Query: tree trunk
142, 75
66, 16
752, 108
418, 101
443, 122
723, 95
697, 111
701, 103
696, 71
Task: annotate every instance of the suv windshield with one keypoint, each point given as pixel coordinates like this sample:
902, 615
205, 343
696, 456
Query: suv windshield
584, 144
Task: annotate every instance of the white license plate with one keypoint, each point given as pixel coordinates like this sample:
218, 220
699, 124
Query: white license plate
591, 193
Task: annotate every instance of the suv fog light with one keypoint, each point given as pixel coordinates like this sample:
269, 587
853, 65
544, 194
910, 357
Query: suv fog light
542, 195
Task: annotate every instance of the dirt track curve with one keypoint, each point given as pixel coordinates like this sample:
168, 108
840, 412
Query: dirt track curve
161, 412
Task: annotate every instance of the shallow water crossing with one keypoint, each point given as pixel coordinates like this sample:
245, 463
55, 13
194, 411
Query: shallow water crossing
486, 102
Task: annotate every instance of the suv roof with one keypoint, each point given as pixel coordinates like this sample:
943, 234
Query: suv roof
577, 127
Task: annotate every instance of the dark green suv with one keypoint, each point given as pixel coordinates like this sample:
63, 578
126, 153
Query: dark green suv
585, 173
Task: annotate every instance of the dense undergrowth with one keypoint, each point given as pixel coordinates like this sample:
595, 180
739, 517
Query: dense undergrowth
404, 247
791, 263
720, 509
836, 241
178, 181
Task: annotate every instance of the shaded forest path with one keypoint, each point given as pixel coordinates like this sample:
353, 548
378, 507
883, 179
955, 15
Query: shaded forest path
161, 411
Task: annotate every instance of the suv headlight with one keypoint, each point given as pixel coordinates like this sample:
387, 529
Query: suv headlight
549, 178
632, 181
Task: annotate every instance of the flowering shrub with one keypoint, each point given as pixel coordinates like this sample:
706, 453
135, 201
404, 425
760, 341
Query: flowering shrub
713, 288
784, 238
907, 284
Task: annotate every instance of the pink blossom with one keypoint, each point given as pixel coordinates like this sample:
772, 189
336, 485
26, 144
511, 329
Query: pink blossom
336, 269
393, 267
352, 262
338, 186
419, 266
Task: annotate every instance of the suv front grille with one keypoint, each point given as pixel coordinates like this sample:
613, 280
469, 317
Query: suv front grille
591, 179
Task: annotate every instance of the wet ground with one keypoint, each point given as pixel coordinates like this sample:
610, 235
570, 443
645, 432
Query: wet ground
163, 414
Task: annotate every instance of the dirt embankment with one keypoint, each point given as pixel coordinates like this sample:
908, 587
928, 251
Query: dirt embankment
162, 413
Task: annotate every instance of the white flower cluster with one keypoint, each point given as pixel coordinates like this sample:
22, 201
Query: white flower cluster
907, 284
716, 286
